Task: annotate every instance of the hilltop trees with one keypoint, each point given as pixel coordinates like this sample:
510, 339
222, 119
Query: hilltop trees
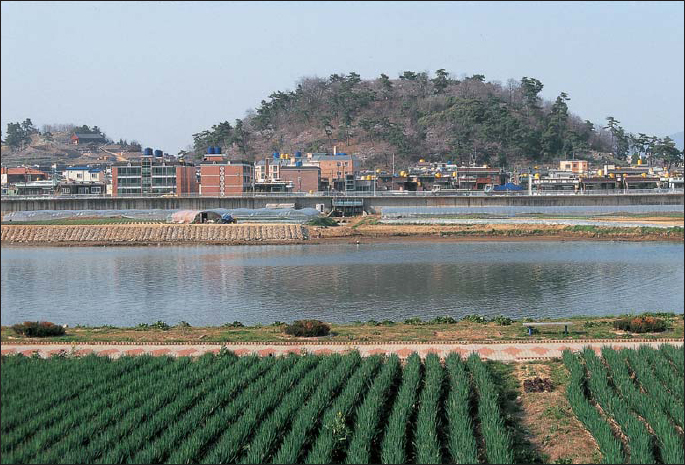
19, 134
416, 115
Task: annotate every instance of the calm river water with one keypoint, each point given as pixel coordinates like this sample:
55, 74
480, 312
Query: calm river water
211, 285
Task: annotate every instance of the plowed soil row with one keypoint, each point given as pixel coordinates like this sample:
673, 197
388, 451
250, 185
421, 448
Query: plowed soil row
151, 233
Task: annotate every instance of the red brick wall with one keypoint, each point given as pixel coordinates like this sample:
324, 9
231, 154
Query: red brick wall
231, 176
115, 181
186, 181
304, 179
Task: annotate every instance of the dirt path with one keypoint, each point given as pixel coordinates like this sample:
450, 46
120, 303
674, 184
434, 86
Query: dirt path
502, 351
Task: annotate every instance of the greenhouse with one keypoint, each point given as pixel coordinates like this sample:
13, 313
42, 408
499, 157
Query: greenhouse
512, 211
217, 215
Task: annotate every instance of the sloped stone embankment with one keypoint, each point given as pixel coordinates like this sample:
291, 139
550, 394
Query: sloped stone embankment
151, 233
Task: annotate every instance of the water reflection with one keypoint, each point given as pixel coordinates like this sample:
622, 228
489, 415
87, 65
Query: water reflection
261, 284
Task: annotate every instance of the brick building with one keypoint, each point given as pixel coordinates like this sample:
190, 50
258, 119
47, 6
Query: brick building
153, 176
220, 177
301, 178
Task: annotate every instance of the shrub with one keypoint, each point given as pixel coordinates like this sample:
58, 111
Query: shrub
235, 324
38, 329
322, 221
308, 328
475, 319
641, 324
159, 324
183, 324
413, 321
502, 320
443, 320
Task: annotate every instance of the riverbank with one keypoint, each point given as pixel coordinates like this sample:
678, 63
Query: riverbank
415, 331
359, 229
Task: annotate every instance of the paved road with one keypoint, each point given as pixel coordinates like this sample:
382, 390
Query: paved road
503, 351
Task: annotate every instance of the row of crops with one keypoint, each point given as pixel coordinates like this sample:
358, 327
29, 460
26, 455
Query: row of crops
631, 401
228, 409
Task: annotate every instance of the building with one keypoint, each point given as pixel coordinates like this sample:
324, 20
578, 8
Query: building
153, 175
81, 188
301, 178
81, 139
84, 174
35, 188
643, 181
22, 175
478, 178
335, 169
574, 166
220, 177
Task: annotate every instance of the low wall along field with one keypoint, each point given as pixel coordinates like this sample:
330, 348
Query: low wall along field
151, 233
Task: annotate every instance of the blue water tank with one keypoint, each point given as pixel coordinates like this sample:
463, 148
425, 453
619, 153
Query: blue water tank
147, 151
298, 163
158, 153
277, 155
210, 150
298, 154
217, 150
342, 154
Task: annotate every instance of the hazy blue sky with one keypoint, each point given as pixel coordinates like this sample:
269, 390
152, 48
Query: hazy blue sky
159, 72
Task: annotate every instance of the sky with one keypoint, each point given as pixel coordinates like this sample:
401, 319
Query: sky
159, 72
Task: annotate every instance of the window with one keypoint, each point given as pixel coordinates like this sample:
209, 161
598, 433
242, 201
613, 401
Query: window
65, 190
95, 190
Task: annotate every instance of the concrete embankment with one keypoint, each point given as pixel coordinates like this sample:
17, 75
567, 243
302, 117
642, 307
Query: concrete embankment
370, 203
151, 234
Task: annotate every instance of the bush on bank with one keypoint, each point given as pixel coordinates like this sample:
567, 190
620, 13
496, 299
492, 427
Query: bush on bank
38, 329
641, 324
308, 328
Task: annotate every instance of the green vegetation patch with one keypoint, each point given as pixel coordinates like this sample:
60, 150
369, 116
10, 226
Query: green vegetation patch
228, 409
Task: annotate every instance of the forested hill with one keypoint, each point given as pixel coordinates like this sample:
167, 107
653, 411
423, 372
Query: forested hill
418, 116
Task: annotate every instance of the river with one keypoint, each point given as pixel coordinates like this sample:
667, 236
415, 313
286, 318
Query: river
212, 285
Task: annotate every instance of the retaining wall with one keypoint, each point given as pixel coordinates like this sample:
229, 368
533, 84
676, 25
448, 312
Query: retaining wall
371, 203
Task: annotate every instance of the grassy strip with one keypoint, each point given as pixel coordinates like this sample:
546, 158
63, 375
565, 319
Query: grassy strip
427, 420
369, 414
269, 431
394, 445
639, 439
665, 372
676, 356
461, 441
609, 446
26, 422
646, 405
669, 403
160, 441
85, 442
334, 432
229, 445
498, 447
31, 438
196, 444
305, 422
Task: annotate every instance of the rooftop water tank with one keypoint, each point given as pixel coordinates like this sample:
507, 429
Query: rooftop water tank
210, 150
298, 163
147, 151
298, 154
217, 150
158, 153
277, 155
